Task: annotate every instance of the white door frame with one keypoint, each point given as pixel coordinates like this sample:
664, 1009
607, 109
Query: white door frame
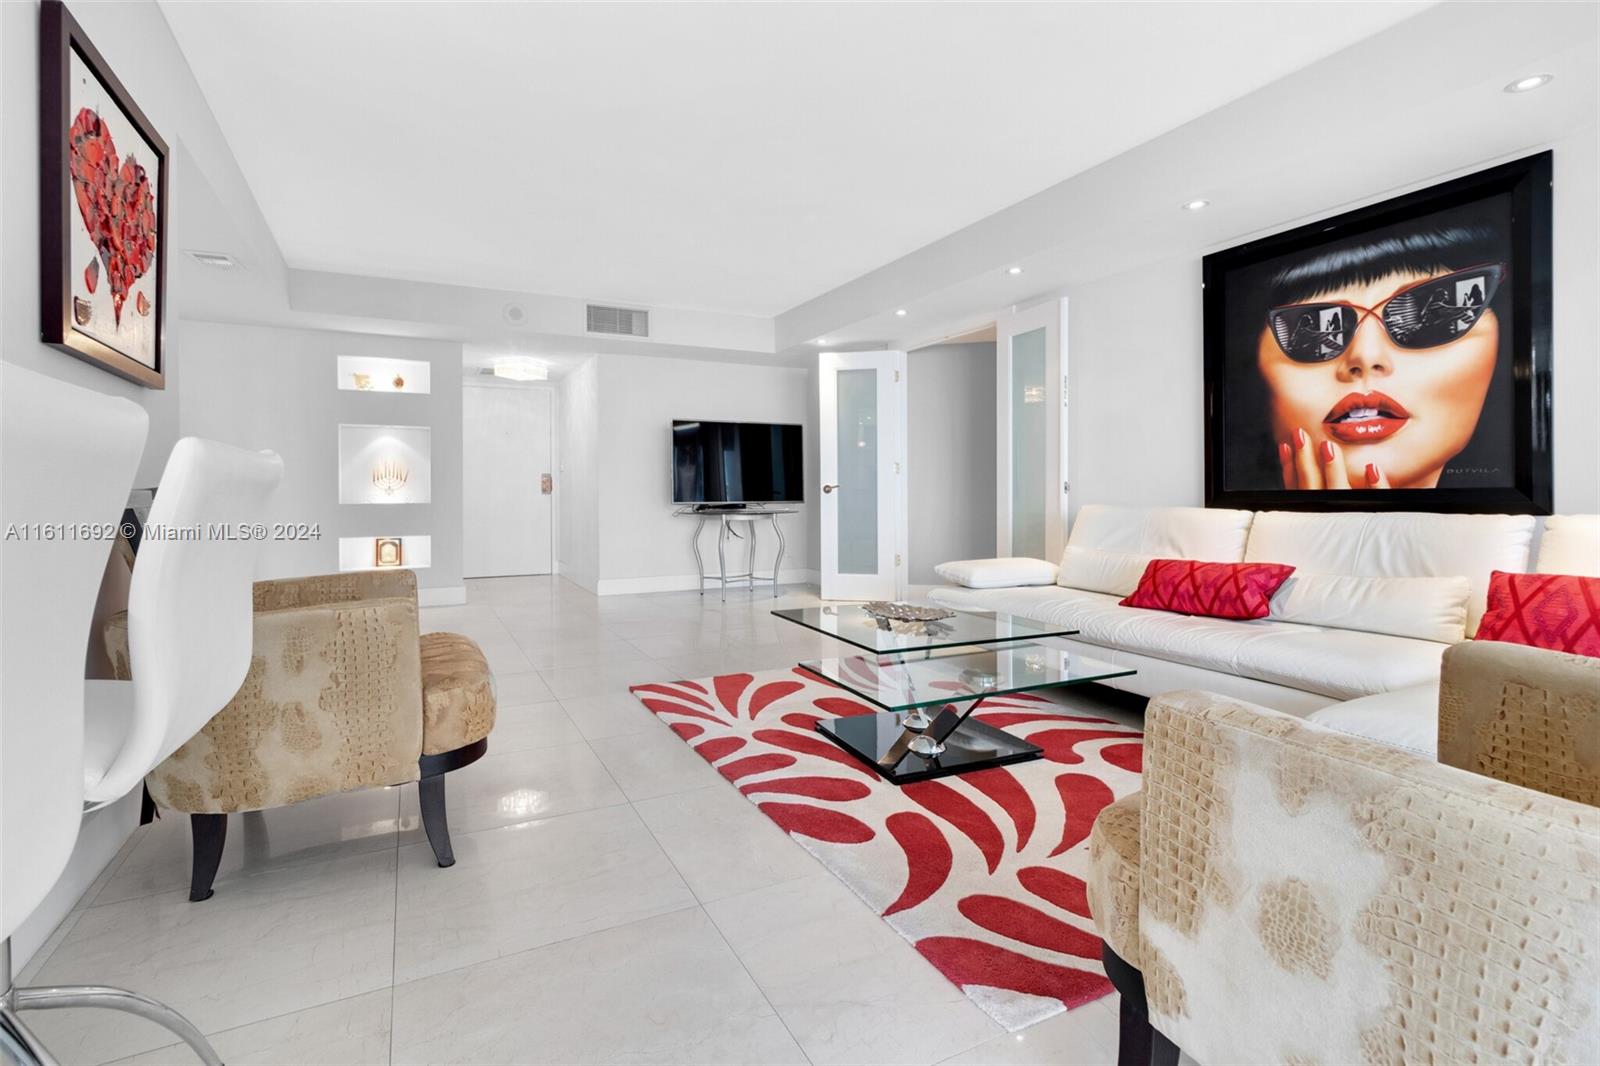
484, 381
1051, 315
893, 537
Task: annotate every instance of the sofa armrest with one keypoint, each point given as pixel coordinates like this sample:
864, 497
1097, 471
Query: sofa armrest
335, 588
332, 702
1524, 715
1285, 868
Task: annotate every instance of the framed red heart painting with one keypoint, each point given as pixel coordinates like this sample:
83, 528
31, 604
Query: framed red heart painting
103, 209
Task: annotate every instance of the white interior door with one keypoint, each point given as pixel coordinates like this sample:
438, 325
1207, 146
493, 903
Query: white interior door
862, 400
1031, 431
506, 492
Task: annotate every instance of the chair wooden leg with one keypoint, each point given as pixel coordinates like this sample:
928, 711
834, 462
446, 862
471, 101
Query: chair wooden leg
210, 832
1163, 1052
430, 793
1138, 1042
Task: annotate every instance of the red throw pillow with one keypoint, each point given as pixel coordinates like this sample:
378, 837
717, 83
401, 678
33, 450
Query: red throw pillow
1216, 590
1556, 611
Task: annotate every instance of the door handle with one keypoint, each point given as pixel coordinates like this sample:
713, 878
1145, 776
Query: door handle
829, 488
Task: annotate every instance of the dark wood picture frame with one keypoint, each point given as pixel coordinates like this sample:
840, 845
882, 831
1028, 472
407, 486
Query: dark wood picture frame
60, 36
1528, 184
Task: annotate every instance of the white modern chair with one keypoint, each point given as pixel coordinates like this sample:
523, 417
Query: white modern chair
68, 455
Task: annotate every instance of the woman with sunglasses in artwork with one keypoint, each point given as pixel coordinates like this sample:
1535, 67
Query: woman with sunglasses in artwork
1377, 357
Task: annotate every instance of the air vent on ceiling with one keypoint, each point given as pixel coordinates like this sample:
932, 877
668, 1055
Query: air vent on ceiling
619, 320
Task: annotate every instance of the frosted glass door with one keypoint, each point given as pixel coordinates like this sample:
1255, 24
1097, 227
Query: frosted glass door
861, 401
857, 435
1028, 444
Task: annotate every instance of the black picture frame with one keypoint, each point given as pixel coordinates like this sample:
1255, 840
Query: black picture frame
60, 37
1528, 184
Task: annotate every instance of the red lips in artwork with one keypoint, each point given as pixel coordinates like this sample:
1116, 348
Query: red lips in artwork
118, 209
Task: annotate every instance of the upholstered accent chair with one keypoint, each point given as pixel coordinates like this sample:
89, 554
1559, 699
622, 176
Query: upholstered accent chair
1282, 892
342, 693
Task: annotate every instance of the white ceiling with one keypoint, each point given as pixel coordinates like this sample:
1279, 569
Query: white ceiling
734, 157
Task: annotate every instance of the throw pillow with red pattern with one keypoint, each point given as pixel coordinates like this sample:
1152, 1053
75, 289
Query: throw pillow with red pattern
1556, 611
1216, 590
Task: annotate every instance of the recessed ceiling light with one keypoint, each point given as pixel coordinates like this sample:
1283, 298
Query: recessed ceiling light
1013, 270
1531, 82
1196, 205
521, 368
820, 341
219, 260
900, 312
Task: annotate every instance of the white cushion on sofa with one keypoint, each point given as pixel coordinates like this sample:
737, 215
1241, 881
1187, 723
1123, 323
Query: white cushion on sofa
1048, 604
997, 573
1209, 534
1427, 608
1340, 663
1570, 545
1363, 544
1094, 570
1404, 718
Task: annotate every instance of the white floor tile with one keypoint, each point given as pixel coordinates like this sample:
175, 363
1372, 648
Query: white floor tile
610, 714
538, 725
349, 1032
520, 786
313, 831
664, 990
271, 944
653, 762
723, 845
846, 985
1086, 1036
523, 886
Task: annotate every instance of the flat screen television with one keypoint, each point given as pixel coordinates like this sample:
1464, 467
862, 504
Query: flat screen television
736, 462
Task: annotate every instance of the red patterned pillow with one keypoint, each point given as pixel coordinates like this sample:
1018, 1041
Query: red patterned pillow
1217, 590
1556, 611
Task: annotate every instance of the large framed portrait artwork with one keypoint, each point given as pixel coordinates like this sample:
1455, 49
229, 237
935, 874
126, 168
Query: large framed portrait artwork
103, 209
1396, 357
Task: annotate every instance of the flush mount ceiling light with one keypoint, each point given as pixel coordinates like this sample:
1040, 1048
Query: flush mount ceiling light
1196, 205
820, 341
1531, 82
521, 368
1013, 270
219, 260
900, 312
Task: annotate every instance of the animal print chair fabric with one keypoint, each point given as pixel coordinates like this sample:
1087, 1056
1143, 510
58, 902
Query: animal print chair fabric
342, 693
1524, 715
1306, 896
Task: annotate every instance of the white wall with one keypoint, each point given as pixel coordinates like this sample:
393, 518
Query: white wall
264, 387
578, 478
641, 546
1135, 376
950, 409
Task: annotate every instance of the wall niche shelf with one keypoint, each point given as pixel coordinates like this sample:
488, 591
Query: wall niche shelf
385, 464
376, 553
367, 373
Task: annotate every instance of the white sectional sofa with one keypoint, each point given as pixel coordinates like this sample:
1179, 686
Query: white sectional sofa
1356, 646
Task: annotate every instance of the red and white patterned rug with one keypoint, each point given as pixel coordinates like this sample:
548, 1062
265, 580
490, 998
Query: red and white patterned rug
982, 873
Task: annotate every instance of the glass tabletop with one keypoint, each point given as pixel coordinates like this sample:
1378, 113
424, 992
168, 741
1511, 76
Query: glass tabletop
901, 684
853, 625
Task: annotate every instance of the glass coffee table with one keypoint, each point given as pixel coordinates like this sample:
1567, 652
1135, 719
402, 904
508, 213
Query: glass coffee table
980, 656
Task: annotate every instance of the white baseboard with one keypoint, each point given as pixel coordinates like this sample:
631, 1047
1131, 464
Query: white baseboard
442, 596
631, 586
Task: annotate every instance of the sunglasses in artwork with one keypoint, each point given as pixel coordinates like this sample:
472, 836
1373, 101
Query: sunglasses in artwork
1424, 315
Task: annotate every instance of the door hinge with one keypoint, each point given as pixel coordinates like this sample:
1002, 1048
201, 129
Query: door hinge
897, 558
897, 377
897, 468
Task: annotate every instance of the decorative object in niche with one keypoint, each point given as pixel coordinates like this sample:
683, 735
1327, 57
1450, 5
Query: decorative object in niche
390, 476
385, 464
1394, 358
388, 551
103, 210
373, 373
